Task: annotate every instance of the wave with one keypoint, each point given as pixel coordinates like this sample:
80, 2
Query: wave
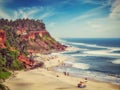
116, 61
95, 46
107, 51
96, 53
89, 45
81, 65
77, 65
101, 52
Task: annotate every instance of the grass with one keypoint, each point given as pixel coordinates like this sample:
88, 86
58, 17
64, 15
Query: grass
4, 74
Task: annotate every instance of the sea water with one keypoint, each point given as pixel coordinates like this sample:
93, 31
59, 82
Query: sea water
94, 58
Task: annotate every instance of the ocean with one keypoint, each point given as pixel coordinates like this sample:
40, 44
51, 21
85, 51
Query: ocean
94, 58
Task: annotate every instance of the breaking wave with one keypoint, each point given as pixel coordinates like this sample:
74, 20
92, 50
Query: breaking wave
81, 65
116, 61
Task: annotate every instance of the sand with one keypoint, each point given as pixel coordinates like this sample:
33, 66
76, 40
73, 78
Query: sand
47, 79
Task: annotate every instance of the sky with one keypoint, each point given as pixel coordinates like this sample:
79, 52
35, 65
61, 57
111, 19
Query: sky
69, 18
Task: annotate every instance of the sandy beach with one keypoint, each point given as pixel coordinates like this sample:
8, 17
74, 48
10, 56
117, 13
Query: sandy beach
47, 79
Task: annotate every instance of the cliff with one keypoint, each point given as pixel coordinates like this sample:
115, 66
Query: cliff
28, 36
19, 38
41, 41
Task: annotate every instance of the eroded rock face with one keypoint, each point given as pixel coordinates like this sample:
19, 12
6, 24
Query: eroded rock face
33, 34
24, 60
41, 41
2, 39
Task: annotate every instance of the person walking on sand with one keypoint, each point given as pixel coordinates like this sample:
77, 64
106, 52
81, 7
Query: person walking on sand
85, 80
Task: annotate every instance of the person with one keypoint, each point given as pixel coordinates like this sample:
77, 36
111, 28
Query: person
81, 85
85, 80
31, 58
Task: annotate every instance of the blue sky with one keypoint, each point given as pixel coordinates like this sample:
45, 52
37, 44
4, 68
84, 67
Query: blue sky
69, 18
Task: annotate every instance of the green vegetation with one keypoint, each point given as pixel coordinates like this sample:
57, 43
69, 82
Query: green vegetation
4, 74
8, 61
29, 24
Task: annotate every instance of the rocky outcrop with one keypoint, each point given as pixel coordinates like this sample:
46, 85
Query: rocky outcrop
2, 39
25, 60
41, 41
32, 34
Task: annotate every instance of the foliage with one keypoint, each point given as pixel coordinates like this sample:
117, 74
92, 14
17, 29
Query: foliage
29, 24
4, 74
8, 60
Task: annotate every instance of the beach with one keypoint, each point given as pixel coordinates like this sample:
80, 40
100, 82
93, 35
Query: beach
47, 79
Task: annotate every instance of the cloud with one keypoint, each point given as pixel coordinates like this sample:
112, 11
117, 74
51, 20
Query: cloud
93, 13
27, 12
115, 10
33, 12
96, 22
98, 2
46, 14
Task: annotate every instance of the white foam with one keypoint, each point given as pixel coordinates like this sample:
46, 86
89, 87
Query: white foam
77, 65
97, 46
107, 52
71, 48
116, 61
81, 65
89, 45
101, 52
75, 55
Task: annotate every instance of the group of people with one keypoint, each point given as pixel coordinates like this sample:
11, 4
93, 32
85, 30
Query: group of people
66, 73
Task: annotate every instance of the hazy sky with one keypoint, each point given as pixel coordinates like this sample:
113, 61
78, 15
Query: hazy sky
69, 18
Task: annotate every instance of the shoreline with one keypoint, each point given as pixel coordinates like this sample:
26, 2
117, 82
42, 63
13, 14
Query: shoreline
48, 79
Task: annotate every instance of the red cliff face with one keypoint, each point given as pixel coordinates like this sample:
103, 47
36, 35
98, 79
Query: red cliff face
2, 39
40, 41
43, 32
32, 34
25, 60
